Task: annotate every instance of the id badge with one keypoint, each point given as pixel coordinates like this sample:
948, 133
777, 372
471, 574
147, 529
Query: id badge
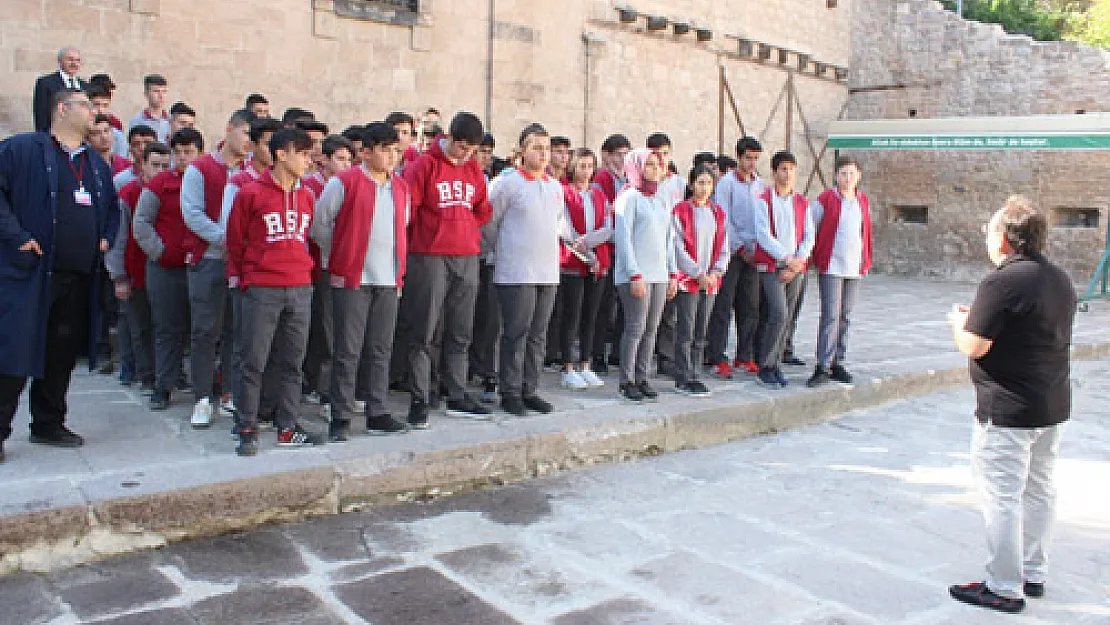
82, 197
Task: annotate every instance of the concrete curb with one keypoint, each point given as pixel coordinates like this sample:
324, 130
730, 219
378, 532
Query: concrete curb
49, 539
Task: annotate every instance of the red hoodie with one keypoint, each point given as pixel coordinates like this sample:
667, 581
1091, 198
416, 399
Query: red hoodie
134, 260
449, 204
169, 224
267, 234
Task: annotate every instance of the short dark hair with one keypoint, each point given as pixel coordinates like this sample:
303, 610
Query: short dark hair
467, 127
560, 141
334, 143
154, 80
62, 96
705, 158
312, 126
580, 153
499, 165
726, 162
187, 136
353, 133
156, 147
400, 117
532, 130
101, 118
255, 98
613, 143
292, 114
262, 125
98, 90
747, 144
488, 141
657, 140
697, 171
782, 157
141, 130
180, 108
435, 129
379, 133
290, 137
103, 80
844, 161
242, 117
1025, 227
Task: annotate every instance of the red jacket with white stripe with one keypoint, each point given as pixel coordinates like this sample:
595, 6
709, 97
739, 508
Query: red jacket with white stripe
267, 236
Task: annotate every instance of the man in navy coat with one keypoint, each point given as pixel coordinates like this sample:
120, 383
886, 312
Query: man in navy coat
58, 211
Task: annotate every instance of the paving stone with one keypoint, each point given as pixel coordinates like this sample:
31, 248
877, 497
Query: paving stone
265, 606
620, 611
262, 554
119, 593
168, 616
26, 599
334, 539
352, 572
417, 596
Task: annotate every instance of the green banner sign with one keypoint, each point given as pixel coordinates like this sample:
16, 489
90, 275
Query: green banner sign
972, 142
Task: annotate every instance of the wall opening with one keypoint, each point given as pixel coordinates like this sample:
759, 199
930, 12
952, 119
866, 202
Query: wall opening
909, 214
1069, 217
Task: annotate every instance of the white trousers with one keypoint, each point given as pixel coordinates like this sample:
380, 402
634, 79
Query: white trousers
1013, 471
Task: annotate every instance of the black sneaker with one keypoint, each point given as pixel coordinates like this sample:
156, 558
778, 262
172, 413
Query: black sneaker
160, 400
399, 386
631, 392
793, 361
514, 405
107, 368
297, 436
147, 388
1, 451
385, 424
539, 404
61, 437
489, 390
614, 359
820, 377
248, 442
435, 399
768, 378
783, 382
695, 388
648, 393
840, 374
599, 366
978, 594
339, 431
1031, 589
467, 407
418, 415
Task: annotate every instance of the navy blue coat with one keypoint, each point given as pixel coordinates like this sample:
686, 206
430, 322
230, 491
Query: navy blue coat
28, 206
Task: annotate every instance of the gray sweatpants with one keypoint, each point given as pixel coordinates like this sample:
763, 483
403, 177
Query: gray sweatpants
447, 287
838, 298
781, 300
364, 320
318, 355
168, 290
209, 308
525, 313
274, 326
692, 311
141, 326
641, 323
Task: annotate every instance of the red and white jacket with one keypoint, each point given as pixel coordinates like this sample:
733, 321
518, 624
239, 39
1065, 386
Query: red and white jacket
832, 200
267, 236
763, 260
603, 216
684, 215
350, 238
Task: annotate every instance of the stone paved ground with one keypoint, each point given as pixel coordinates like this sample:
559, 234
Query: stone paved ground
862, 520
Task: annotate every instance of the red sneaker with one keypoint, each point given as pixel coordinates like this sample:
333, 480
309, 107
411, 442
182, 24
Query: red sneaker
722, 371
751, 367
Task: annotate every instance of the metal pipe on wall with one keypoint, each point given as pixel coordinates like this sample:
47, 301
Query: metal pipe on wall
489, 64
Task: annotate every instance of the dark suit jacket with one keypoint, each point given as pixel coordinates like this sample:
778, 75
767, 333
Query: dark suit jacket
45, 88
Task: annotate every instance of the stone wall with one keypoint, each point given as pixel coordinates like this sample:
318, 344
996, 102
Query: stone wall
311, 53
913, 58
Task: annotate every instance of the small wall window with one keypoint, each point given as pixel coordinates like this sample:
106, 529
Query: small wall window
1068, 217
399, 12
909, 214
830, 3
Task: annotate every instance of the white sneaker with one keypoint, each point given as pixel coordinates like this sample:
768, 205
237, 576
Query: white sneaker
227, 408
591, 379
573, 381
202, 414
360, 406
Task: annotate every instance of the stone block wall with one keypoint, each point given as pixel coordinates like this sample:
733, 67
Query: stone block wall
911, 58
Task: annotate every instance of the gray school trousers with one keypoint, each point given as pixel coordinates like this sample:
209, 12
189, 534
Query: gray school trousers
363, 325
211, 317
273, 328
168, 290
838, 298
781, 300
440, 287
525, 313
641, 323
692, 312
141, 326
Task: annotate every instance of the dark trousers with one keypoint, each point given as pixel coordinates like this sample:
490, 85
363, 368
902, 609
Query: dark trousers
665, 341
123, 337
67, 336
781, 301
487, 326
581, 300
273, 334
792, 319
267, 400
109, 316
168, 290
141, 325
525, 313
441, 287
211, 327
609, 320
318, 357
364, 324
692, 312
738, 299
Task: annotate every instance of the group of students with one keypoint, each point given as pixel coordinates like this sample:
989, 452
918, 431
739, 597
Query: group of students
348, 264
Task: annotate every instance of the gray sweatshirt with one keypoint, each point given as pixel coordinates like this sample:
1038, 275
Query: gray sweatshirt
642, 237
381, 264
528, 219
113, 260
782, 243
705, 230
143, 225
739, 200
193, 210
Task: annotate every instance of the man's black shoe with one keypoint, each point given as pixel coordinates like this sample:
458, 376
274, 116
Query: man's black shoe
648, 392
1031, 589
665, 367
614, 359
338, 432
840, 374
160, 400
599, 366
1, 451
60, 437
385, 424
107, 368
819, 378
631, 392
514, 405
537, 403
468, 408
399, 386
793, 361
418, 415
978, 594
248, 442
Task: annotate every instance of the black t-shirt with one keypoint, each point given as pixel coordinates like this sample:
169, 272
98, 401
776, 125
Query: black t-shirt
1027, 307
75, 234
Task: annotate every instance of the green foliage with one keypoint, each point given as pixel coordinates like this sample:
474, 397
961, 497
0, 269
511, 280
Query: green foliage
1043, 21
1093, 28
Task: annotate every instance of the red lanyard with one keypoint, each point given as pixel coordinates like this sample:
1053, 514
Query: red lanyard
78, 173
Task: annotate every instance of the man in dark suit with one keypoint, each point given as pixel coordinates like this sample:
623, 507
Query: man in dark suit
69, 63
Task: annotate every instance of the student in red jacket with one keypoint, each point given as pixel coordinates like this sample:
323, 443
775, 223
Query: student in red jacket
160, 230
268, 261
360, 226
842, 255
449, 205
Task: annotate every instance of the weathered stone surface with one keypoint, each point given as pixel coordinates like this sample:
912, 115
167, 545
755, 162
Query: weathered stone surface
265, 605
27, 599
263, 554
168, 616
417, 596
118, 592
618, 612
